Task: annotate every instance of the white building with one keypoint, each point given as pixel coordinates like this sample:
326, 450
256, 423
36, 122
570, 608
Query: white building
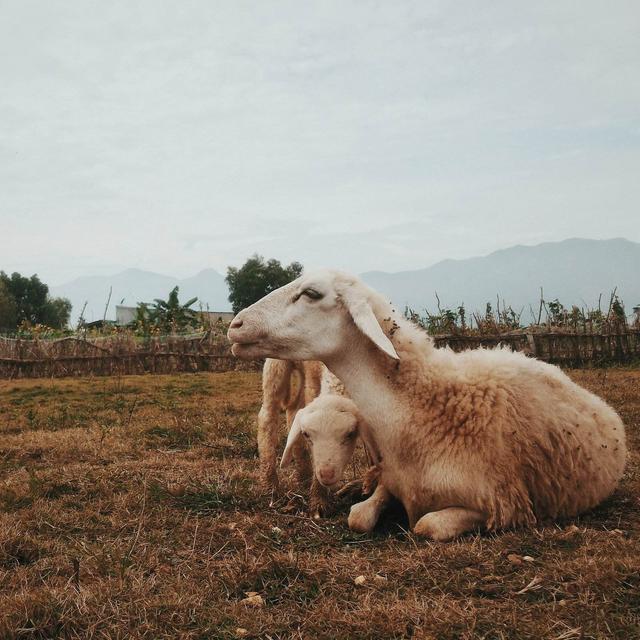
126, 315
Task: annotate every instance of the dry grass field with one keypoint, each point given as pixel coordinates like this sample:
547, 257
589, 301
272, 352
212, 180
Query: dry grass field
129, 509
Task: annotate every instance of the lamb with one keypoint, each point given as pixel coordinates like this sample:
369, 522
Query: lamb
331, 425
290, 386
483, 439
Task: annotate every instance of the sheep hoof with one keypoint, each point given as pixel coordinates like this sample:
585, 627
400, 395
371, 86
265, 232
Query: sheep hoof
317, 513
448, 524
434, 529
363, 517
319, 509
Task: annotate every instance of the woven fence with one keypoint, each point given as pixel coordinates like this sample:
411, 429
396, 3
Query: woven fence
563, 348
124, 354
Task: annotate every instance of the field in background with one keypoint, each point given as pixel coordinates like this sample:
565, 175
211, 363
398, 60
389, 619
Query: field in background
129, 508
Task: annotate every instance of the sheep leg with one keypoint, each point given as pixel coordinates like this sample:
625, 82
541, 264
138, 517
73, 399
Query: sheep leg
297, 400
449, 523
276, 391
268, 433
319, 499
363, 516
303, 466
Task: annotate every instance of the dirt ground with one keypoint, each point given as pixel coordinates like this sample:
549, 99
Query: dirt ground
129, 509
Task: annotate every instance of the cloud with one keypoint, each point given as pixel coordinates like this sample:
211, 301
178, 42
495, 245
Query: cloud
175, 137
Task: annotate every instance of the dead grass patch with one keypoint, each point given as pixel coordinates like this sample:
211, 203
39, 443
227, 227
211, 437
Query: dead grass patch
129, 509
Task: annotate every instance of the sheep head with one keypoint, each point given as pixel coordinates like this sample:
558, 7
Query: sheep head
330, 425
314, 317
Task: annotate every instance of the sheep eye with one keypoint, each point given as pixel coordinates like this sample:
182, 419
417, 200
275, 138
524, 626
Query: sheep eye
305, 434
312, 293
351, 435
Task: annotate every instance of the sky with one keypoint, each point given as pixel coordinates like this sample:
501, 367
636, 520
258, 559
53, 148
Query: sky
178, 136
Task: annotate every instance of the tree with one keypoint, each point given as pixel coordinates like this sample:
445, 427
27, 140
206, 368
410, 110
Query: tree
256, 278
30, 295
33, 303
166, 315
56, 313
8, 309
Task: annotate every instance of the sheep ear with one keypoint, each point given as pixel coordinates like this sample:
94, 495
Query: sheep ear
295, 433
366, 321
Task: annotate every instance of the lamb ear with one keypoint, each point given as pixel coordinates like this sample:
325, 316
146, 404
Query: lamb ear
295, 433
366, 321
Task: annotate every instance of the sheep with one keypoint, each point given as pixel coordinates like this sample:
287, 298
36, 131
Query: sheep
331, 425
483, 439
290, 386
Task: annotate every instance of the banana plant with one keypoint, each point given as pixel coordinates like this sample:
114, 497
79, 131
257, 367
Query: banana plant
169, 316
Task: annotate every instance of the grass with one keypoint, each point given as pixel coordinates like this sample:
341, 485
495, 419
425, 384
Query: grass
129, 509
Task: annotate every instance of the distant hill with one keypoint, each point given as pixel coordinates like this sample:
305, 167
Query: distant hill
134, 285
575, 271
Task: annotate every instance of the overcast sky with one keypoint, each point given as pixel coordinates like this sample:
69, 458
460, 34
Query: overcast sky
174, 136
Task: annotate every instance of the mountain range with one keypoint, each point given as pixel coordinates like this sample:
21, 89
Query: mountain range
575, 271
134, 285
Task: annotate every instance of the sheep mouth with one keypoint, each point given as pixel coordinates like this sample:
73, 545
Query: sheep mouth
329, 485
244, 349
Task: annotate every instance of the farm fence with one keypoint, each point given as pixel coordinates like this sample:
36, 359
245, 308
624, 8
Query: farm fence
123, 354
571, 349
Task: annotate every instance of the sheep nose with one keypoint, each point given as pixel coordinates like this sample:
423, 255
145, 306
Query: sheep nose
236, 323
327, 474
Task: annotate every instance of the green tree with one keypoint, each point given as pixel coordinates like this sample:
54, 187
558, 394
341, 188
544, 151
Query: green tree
33, 303
167, 315
8, 309
56, 312
256, 278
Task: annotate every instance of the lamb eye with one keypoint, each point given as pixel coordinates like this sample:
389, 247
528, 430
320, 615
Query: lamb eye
305, 434
312, 293
351, 435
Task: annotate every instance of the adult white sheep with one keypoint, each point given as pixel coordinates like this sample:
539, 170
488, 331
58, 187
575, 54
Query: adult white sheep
484, 438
